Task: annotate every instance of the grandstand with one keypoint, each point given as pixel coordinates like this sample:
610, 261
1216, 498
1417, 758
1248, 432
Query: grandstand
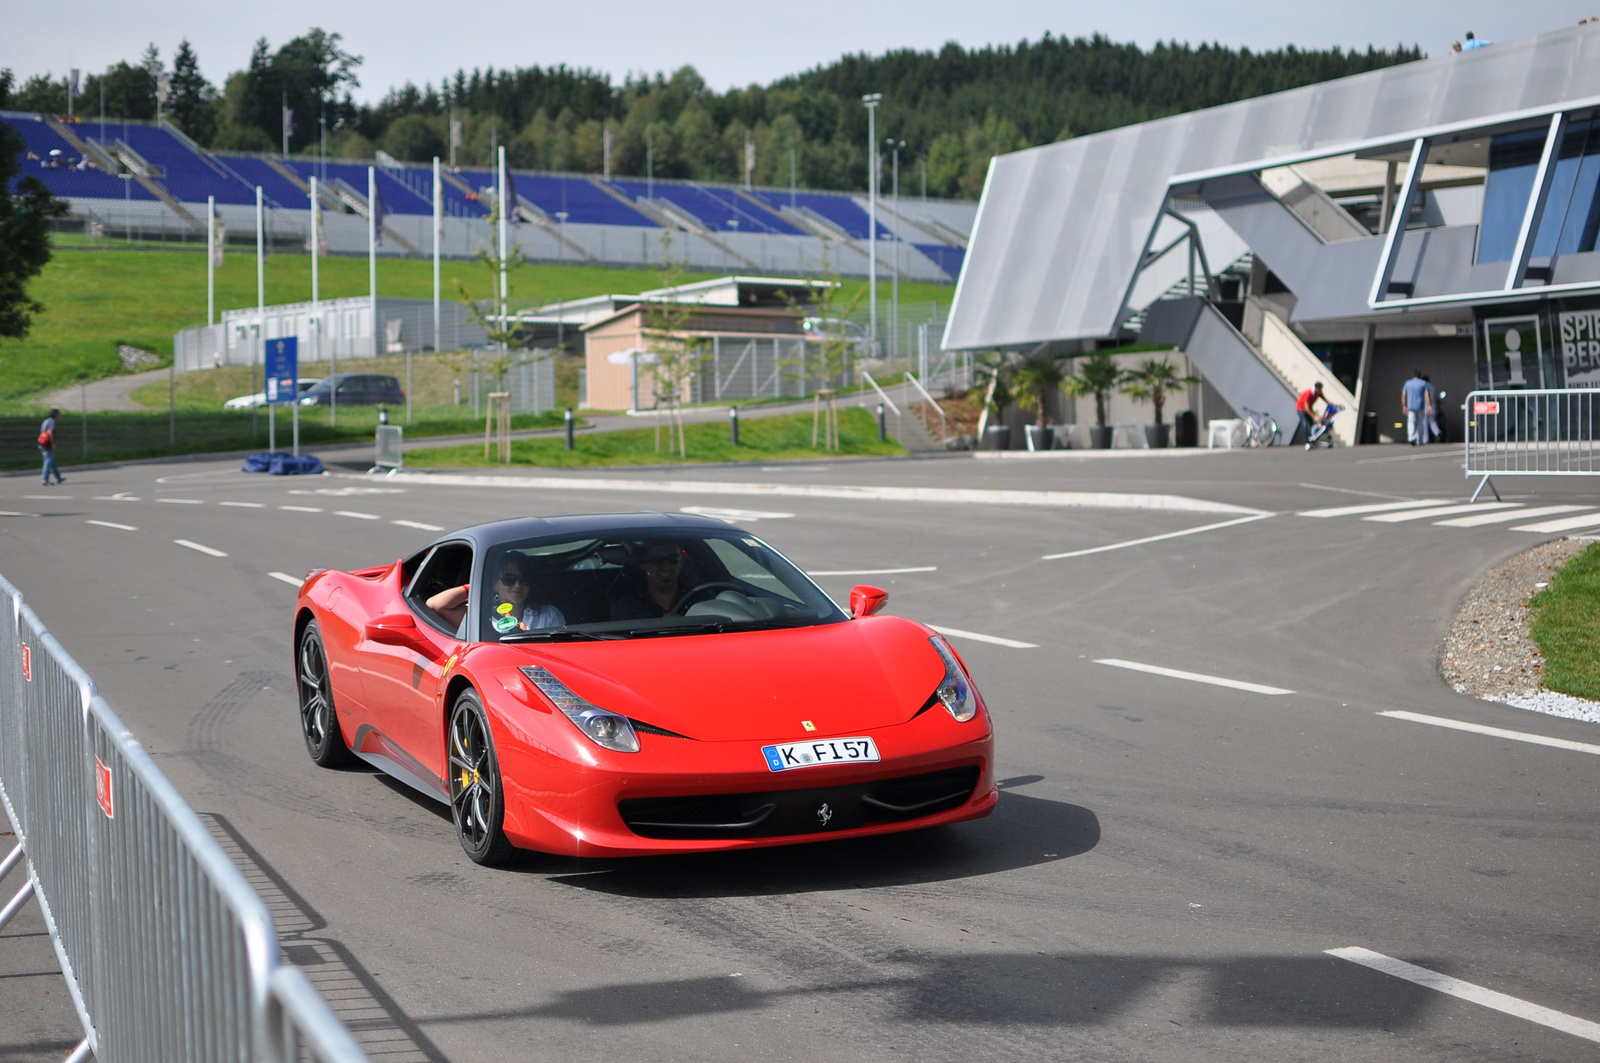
126, 177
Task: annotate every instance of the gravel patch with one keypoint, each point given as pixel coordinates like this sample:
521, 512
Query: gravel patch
1488, 653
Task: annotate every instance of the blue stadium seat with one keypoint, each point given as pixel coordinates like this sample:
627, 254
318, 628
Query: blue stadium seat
946, 258
276, 187
839, 209
186, 175
40, 139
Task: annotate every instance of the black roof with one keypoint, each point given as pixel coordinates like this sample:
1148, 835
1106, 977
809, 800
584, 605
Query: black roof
598, 525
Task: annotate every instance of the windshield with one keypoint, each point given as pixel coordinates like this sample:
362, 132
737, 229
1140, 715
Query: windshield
642, 585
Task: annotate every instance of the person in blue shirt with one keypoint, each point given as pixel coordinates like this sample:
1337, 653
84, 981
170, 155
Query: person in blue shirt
1473, 42
1417, 402
47, 447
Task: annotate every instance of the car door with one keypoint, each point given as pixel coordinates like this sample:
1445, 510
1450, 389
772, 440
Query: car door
402, 681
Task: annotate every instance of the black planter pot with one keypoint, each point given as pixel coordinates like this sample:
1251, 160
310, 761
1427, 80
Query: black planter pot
1100, 437
1039, 437
996, 437
1158, 436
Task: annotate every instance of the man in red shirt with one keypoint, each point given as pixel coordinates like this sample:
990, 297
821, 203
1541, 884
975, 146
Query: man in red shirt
1305, 406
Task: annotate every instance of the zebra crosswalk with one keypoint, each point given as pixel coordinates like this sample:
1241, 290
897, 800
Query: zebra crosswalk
1447, 514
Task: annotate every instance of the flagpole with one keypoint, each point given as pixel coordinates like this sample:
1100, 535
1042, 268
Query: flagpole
438, 237
372, 253
261, 308
504, 214
211, 260
316, 302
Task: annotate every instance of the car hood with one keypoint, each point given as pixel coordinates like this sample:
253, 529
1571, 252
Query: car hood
762, 686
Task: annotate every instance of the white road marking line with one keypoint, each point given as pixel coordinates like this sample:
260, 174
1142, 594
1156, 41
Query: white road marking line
302, 509
1193, 677
1493, 732
112, 524
49, 497
1501, 518
183, 501
996, 640
120, 496
14, 513
357, 516
1370, 507
245, 505
1476, 994
1158, 538
203, 549
1588, 520
732, 516
286, 578
417, 524
872, 571
1442, 511
849, 492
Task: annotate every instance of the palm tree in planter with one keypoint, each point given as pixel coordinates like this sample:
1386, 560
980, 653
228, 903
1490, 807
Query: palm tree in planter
1033, 380
1097, 375
1153, 382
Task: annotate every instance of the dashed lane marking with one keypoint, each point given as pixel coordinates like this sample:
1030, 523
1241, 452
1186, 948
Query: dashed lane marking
1194, 677
872, 571
1369, 507
1441, 511
284, 577
15, 513
1476, 994
245, 505
302, 509
111, 524
1157, 538
183, 501
1588, 520
357, 516
417, 524
733, 516
995, 640
200, 547
51, 498
1493, 732
1502, 518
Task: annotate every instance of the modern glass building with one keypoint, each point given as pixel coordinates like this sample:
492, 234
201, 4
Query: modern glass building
1441, 215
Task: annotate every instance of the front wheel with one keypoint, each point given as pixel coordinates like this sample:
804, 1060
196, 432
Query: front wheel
319, 722
477, 803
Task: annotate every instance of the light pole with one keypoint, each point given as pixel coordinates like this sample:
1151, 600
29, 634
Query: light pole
894, 147
561, 305
872, 99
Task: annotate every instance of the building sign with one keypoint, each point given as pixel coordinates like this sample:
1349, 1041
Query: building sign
1580, 347
1514, 346
283, 357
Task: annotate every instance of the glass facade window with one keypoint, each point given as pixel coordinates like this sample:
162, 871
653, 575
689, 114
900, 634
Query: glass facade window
1572, 211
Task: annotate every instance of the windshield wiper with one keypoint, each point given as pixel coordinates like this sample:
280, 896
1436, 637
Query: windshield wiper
710, 627
559, 635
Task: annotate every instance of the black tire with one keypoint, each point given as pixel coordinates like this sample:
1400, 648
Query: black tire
477, 803
319, 720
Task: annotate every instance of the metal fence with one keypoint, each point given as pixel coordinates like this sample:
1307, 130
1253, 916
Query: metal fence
168, 953
1546, 432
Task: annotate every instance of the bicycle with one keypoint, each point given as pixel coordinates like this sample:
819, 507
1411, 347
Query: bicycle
1261, 429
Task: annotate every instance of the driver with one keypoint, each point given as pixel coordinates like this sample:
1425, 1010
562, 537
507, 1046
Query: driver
662, 565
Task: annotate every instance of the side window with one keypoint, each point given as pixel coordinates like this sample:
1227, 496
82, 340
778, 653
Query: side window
450, 565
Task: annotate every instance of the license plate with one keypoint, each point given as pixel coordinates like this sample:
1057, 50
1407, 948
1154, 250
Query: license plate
787, 755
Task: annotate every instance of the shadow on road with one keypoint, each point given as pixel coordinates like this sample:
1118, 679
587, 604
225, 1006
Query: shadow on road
1022, 831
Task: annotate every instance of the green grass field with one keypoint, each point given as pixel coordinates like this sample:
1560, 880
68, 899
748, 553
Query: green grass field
95, 299
1566, 626
760, 439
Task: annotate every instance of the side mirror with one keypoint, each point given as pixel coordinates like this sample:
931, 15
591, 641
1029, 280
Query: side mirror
865, 600
397, 629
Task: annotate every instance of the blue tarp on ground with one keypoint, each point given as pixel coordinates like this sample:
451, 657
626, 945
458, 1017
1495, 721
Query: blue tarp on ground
281, 463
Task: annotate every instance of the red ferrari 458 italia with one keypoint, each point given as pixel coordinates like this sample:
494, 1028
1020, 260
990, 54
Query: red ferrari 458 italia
635, 684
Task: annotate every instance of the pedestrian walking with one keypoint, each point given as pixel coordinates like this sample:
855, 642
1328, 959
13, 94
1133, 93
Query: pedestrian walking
47, 447
1414, 400
1435, 433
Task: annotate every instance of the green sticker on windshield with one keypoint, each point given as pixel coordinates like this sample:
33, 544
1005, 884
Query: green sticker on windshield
505, 623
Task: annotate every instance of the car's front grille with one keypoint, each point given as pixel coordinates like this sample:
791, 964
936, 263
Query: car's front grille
778, 813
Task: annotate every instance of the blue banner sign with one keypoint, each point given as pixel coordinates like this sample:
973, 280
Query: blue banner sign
283, 369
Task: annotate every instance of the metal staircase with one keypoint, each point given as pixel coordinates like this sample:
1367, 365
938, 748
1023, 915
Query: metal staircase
136, 165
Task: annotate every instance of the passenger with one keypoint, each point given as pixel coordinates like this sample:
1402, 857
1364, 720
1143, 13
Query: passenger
511, 609
660, 592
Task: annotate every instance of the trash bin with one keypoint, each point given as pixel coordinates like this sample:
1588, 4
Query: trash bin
997, 437
1369, 428
1186, 429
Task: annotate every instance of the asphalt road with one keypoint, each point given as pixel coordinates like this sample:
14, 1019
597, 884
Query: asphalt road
1168, 866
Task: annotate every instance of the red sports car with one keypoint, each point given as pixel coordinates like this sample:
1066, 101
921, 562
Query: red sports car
635, 684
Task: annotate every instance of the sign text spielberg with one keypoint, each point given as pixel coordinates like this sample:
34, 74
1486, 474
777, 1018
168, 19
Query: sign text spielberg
1580, 347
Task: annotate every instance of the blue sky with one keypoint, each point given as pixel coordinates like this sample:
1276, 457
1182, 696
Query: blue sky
729, 43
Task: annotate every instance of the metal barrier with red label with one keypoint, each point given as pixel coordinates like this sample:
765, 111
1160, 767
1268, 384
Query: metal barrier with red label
168, 952
1545, 432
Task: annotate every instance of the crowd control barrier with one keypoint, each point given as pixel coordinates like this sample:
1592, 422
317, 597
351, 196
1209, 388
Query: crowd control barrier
1546, 432
168, 953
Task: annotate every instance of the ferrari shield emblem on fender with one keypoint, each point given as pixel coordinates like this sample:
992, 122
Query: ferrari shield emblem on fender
824, 813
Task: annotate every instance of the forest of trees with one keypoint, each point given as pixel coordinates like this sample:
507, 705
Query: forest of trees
954, 108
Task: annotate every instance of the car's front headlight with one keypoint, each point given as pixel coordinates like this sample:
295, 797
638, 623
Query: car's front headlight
955, 690
606, 729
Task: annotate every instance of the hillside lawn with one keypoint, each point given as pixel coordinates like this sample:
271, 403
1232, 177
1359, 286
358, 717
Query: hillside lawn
96, 299
1566, 621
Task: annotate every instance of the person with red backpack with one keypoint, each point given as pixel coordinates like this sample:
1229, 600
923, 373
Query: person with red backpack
47, 447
